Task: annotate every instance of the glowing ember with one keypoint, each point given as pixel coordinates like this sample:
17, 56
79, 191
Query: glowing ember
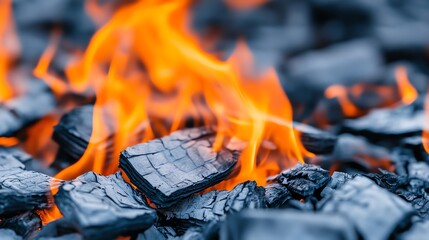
407, 91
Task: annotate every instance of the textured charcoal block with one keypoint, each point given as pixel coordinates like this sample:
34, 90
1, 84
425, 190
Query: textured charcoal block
56, 229
20, 189
276, 195
338, 179
287, 224
419, 170
304, 180
25, 225
8, 234
374, 211
353, 61
101, 207
411, 189
25, 109
213, 206
315, 140
382, 123
173, 167
72, 236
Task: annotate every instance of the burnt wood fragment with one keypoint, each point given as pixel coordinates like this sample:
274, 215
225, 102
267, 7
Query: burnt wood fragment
22, 190
287, 224
9, 234
18, 112
304, 180
315, 140
213, 206
276, 195
103, 207
375, 212
174, 167
56, 229
338, 179
25, 224
381, 123
72, 236
411, 189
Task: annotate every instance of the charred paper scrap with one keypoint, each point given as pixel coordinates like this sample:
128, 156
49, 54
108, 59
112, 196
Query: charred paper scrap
104, 207
173, 167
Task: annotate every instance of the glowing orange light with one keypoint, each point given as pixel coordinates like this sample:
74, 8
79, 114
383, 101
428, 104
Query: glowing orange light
245, 4
341, 93
407, 91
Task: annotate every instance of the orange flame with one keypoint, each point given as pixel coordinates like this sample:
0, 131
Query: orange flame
425, 135
6, 46
407, 91
341, 93
245, 4
178, 81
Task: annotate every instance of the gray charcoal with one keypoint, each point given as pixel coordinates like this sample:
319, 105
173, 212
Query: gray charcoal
304, 180
56, 229
353, 61
374, 211
382, 123
22, 190
287, 224
171, 168
213, 206
315, 140
276, 195
20, 111
7, 234
419, 170
103, 207
338, 179
151, 233
72, 236
419, 230
26, 224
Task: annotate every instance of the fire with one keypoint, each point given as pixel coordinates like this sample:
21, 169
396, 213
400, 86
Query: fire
407, 91
245, 4
341, 93
425, 134
6, 41
158, 77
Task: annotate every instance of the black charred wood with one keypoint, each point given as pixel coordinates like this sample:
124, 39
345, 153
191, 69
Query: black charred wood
171, 168
213, 206
56, 230
25, 109
304, 180
375, 212
276, 195
315, 140
22, 190
287, 224
9, 235
72, 236
388, 123
25, 225
104, 207
338, 179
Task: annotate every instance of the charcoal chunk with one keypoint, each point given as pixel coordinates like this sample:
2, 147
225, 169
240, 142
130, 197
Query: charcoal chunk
22, 190
72, 236
213, 206
338, 179
25, 109
304, 180
374, 211
8, 234
25, 224
382, 123
419, 170
419, 230
315, 140
173, 167
286, 224
103, 207
276, 195
56, 229
151, 233
358, 60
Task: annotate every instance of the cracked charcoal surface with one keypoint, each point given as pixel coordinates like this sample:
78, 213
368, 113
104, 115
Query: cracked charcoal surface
213, 206
173, 167
287, 224
25, 109
338, 179
381, 123
25, 224
413, 190
21, 190
315, 140
9, 234
276, 195
304, 180
101, 207
374, 211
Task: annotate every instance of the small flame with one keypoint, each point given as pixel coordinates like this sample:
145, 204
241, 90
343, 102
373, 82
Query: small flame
407, 91
341, 93
425, 134
7, 47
